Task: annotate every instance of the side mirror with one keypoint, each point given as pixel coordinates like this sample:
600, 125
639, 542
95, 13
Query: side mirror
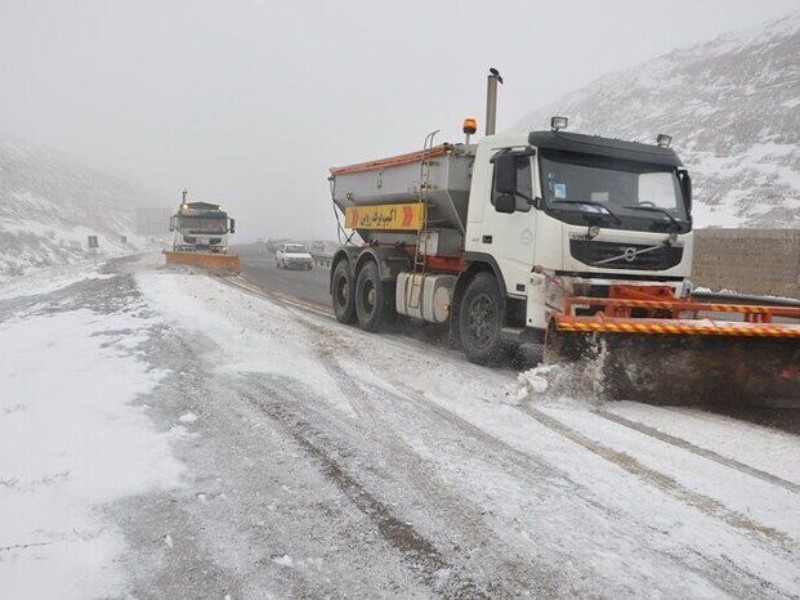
172, 223
233, 225
686, 184
505, 203
505, 173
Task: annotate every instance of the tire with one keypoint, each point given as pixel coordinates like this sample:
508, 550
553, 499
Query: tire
374, 299
480, 320
343, 293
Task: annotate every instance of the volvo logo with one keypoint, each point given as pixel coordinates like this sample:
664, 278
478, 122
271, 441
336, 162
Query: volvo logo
630, 254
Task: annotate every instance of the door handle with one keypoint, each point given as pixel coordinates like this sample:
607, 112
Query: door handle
487, 239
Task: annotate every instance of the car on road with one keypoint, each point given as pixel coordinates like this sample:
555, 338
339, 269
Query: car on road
293, 256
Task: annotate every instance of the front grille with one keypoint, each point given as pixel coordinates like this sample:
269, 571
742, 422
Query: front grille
625, 256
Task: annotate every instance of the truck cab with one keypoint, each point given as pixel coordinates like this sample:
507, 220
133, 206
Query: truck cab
555, 212
201, 226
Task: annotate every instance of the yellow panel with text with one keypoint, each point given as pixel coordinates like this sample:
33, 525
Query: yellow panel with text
387, 217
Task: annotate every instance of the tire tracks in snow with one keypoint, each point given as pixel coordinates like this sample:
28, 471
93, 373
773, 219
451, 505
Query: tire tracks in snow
704, 452
464, 516
423, 557
664, 483
402, 458
531, 470
726, 575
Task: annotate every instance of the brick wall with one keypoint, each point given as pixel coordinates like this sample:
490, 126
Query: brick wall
755, 261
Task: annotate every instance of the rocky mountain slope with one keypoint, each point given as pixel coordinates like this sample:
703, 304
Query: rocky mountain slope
732, 106
49, 205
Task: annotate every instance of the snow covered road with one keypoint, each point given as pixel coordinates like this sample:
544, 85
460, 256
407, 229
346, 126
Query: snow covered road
282, 454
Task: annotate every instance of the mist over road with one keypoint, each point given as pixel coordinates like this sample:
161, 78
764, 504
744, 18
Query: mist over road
259, 268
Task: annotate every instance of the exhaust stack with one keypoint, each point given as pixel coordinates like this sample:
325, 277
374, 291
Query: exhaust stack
491, 100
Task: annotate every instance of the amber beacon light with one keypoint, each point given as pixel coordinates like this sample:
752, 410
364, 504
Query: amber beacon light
470, 127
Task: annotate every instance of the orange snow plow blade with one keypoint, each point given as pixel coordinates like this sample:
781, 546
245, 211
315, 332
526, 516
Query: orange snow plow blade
216, 263
680, 352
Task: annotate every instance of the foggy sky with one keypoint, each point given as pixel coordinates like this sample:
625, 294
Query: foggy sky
250, 102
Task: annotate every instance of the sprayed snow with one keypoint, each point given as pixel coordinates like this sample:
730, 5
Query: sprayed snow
70, 441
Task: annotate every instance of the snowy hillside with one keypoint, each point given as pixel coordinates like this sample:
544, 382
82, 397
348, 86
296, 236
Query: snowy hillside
49, 206
733, 108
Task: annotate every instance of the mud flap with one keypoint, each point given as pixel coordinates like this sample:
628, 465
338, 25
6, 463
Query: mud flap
687, 369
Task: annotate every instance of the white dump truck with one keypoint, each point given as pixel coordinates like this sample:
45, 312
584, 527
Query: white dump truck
578, 242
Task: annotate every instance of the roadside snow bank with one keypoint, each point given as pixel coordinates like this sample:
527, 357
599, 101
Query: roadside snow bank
48, 280
253, 334
71, 441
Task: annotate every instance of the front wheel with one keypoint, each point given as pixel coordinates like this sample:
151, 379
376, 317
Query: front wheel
374, 299
480, 320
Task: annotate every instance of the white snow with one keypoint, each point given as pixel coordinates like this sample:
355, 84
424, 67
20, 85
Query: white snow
49, 205
44, 281
189, 417
663, 507
71, 441
766, 449
253, 334
284, 561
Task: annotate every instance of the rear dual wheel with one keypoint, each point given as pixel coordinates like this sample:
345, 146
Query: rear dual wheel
343, 293
374, 299
366, 300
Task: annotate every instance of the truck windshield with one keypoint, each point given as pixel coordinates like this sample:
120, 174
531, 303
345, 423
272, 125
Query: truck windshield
296, 249
581, 188
203, 225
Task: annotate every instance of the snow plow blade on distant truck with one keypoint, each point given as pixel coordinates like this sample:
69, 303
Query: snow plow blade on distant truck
580, 243
200, 238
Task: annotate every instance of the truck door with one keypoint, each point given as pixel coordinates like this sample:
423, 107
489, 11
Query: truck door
509, 237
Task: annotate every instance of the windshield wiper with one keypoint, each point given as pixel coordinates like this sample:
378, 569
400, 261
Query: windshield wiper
591, 203
675, 221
